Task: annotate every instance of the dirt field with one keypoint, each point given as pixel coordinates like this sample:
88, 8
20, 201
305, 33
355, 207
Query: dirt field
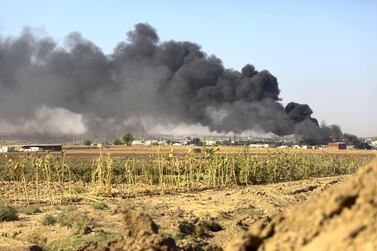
342, 218
154, 217
148, 151
209, 219
145, 151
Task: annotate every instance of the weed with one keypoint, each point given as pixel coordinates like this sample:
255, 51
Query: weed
30, 210
7, 213
48, 220
99, 205
76, 242
80, 223
37, 238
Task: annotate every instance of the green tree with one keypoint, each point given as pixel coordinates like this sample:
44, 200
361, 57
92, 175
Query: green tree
87, 142
117, 142
127, 139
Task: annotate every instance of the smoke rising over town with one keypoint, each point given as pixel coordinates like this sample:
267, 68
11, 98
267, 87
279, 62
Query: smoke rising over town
144, 83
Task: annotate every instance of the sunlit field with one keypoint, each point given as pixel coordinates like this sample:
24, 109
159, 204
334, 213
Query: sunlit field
61, 178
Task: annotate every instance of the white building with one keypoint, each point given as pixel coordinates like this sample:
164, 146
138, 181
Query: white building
34, 149
260, 145
137, 142
7, 149
210, 142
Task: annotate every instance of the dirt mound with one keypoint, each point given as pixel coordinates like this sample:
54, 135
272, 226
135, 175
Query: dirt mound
141, 233
342, 218
139, 223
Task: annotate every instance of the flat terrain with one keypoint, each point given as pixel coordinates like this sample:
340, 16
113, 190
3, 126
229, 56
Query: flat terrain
147, 151
79, 200
142, 152
234, 209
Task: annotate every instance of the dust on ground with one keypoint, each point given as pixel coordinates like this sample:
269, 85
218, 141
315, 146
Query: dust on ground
342, 218
204, 220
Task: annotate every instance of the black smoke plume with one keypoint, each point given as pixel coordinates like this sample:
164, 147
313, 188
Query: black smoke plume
143, 83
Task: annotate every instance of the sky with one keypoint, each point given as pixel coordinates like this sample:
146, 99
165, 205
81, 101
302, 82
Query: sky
324, 53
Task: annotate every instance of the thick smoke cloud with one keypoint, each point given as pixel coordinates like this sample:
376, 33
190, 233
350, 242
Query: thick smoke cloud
142, 80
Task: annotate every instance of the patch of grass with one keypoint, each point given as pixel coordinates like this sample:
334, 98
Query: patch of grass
179, 237
75, 220
48, 220
70, 208
7, 213
77, 241
99, 205
29, 210
37, 238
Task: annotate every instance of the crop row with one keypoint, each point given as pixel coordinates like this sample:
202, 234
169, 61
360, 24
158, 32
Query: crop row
38, 177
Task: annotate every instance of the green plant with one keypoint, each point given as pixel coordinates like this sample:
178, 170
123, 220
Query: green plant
75, 220
87, 142
48, 220
117, 142
127, 139
99, 205
37, 238
7, 213
77, 242
30, 210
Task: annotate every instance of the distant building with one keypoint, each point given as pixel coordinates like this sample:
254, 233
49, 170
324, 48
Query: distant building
307, 147
7, 149
350, 147
261, 145
283, 147
337, 145
137, 142
210, 142
42, 148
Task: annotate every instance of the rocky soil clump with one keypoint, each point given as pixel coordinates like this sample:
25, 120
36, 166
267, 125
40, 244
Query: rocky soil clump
141, 233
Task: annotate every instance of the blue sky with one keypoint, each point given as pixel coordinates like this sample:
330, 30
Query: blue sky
323, 53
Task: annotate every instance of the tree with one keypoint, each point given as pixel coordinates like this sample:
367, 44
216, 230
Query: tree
87, 142
127, 139
196, 141
117, 142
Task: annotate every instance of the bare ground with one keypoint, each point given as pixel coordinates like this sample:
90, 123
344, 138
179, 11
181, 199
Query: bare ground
342, 218
206, 220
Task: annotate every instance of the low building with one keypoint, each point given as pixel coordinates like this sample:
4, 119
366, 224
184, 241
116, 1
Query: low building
283, 147
350, 147
42, 148
261, 145
337, 145
7, 149
151, 142
210, 142
137, 142
307, 147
